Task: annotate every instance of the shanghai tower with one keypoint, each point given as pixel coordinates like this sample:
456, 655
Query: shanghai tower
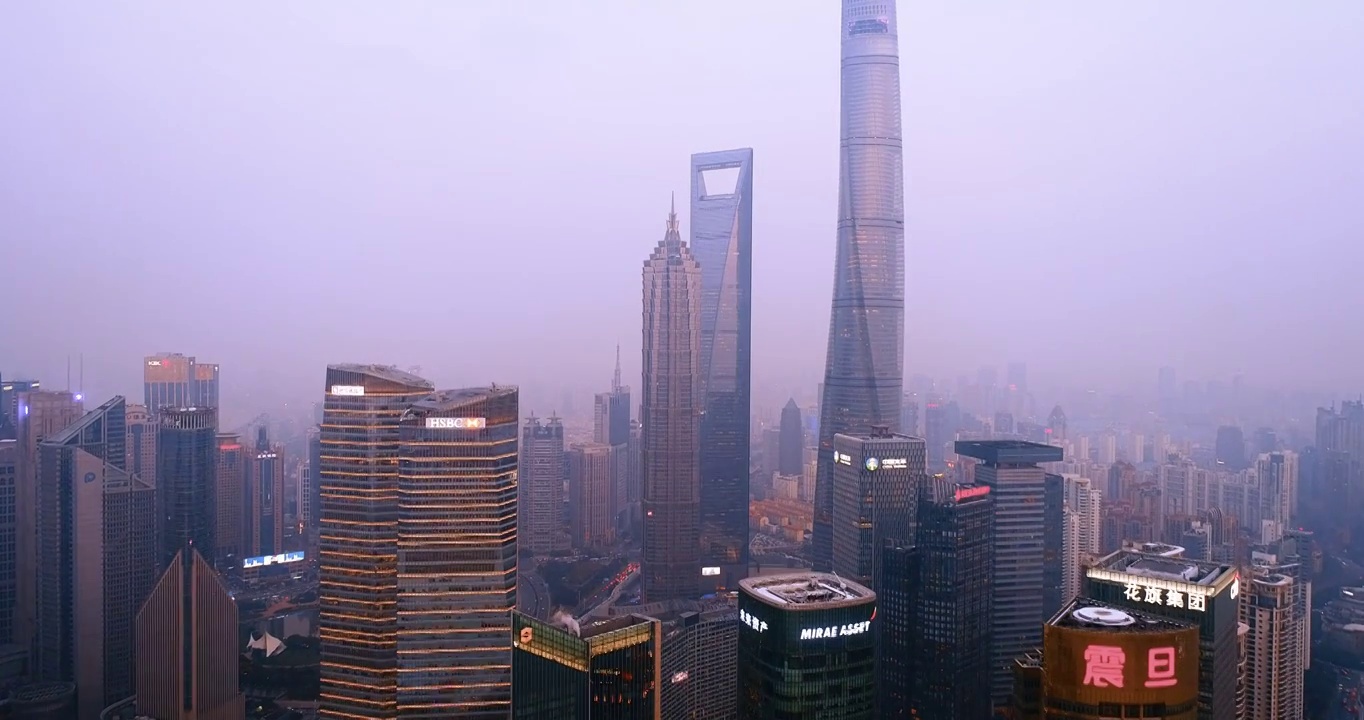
864, 369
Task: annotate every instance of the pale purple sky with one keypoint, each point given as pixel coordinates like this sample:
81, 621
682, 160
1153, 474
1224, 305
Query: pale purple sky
1095, 188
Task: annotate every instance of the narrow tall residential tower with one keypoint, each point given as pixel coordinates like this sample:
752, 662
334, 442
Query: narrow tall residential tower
670, 415
863, 376
722, 242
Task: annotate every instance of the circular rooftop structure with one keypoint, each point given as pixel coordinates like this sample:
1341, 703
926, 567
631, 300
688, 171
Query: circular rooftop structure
1103, 617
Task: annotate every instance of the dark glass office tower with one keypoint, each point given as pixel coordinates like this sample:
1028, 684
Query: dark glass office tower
1231, 448
1201, 593
1010, 468
540, 501
864, 370
1053, 544
895, 647
606, 670
670, 415
96, 560
265, 501
358, 537
9, 566
953, 606
187, 646
877, 477
228, 532
807, 648
791, 448
187, 471
457, 553
722, 242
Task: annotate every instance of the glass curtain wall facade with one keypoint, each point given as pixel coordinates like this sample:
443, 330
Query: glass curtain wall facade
670, 414
953, 605
187, 480
608, 670
1010, 468
358, 534
807, 648
864, 369
722, 241
457, 554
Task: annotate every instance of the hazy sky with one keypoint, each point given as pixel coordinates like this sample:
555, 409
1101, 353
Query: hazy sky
472, 186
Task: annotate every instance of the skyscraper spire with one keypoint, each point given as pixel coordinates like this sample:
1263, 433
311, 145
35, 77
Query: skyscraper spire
615, 379
672, 216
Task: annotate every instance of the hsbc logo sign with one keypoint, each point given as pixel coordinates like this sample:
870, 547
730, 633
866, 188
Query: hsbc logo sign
446, 423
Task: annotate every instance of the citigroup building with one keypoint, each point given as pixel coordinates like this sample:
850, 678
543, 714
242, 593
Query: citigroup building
807, 647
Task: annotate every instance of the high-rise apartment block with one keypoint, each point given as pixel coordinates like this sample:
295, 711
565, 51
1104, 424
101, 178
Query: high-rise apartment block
864, 369
175, 380
670, 419
590, 470
187, 645
96, 559
700, 657
566, 672
876, 477
456, 553
1011, 469
722, 242
1082, 533
791, 447
541, 487
358, 537
1277, 641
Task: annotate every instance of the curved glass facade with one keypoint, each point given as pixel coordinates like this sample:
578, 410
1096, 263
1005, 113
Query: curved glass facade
865, 363
807, 648
357, 538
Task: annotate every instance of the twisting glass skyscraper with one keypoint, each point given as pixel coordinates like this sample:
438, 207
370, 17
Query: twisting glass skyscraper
722, 241
864, 370
358, 538
670, 414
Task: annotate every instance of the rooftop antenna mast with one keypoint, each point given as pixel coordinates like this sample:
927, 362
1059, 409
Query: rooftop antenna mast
68, 373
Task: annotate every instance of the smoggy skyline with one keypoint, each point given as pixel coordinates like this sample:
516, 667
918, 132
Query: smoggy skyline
473, 188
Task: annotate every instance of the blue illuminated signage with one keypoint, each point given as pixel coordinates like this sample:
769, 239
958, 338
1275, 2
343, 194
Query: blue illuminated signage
280, 559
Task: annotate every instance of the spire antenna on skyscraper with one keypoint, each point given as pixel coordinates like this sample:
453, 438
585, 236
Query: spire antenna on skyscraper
672, 214
615, 380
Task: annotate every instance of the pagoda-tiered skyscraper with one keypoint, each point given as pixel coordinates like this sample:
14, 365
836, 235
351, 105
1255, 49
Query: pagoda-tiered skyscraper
670, 414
